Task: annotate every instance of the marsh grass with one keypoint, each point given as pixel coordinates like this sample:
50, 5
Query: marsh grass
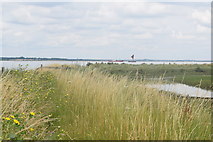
190, 74
82, 103
96, 106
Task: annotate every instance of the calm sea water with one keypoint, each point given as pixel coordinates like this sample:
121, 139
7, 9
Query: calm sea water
183, 90
36, 64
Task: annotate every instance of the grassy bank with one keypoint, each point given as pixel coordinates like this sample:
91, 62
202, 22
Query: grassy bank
93, 105
85, 104
25, 105
192, 74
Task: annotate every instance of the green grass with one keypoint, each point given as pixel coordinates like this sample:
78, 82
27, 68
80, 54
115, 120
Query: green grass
26, 100
203, 81
192, 73
86, 104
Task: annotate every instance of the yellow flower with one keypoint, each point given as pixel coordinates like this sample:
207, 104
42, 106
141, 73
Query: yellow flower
31, 129
12, 116
32, 113
7, 118
16, 122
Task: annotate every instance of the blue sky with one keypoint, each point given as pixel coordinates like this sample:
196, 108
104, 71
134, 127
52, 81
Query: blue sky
107, 30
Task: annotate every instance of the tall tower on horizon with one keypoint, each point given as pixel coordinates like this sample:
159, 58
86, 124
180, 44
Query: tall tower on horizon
133, 56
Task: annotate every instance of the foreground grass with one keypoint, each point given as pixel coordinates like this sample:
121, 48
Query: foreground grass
97, 106
25, 101
85, 104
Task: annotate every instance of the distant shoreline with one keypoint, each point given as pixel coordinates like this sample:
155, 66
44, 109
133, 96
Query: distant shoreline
92, 60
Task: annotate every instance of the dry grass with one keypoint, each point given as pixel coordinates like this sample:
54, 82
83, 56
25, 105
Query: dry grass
95, 106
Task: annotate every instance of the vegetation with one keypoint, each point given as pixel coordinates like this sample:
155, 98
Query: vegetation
192, 74
26, 101
80, 103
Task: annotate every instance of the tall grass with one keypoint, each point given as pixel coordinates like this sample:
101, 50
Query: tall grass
187, 74
24, 105
90, 105
96, 106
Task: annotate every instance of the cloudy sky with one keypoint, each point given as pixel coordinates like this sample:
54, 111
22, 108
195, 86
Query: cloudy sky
107, 30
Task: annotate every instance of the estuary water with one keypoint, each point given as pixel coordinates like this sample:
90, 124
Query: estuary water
183, 90
36, 64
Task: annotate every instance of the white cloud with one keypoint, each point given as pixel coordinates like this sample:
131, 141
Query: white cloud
143, 36
103, 28
18, 34
203, 29
203, 17
144, 8
27, 14
180, 35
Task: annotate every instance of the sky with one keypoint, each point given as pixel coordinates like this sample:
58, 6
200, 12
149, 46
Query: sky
107, 30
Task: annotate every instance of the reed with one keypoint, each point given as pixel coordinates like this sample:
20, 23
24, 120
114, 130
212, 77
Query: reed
96, 106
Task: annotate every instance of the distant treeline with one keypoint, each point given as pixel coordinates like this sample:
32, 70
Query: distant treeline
103, 60
45, 59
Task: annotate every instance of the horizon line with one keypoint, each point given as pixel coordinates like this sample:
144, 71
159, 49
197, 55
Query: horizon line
22, 57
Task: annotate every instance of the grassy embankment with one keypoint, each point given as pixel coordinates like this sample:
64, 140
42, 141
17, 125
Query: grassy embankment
193, 75
25, 105
94, 105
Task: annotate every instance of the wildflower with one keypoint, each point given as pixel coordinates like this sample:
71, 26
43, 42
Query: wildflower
31, 129
25, 89
16, 122
7, 118
12, 116
32, 113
